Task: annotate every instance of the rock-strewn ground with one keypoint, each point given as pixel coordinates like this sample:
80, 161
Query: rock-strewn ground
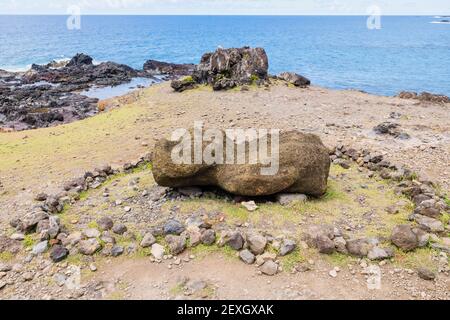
42, 160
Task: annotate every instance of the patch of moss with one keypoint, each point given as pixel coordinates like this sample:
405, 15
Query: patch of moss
445, 219
419, 258
202, 251
116, 295
28, 241
6, 256
188, 79
177, 290
75, 259
93, 224
447, 201
254, 78
289, 261
338, 259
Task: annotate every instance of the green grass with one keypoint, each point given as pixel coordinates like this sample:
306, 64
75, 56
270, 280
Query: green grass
338, 259
187, 79
420, 258
28, 241
177, 290
254, 78
445, 219
6, 256
202, 251
291, 260
93, 225
447, 201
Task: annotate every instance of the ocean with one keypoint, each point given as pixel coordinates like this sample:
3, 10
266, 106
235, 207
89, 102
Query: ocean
407, 53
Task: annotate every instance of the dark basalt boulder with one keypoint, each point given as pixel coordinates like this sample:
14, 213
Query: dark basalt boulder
80, 59
154, 67
227, 68
304, 166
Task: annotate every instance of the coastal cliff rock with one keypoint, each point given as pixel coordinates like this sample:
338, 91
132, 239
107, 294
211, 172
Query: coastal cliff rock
304, 166
172, 70
80, 71
48, 94
228, 68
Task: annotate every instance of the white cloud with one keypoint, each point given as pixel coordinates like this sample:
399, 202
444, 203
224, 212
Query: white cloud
291, 7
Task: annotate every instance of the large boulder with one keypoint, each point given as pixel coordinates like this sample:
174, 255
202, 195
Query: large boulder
227, 68
303, 166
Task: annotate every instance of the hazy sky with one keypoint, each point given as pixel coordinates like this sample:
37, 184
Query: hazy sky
292, 7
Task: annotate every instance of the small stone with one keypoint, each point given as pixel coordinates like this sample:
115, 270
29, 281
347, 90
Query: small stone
250, 206
233, 239
173, 227
269, 268
91, 233
148, 240
41, 197
157, 251
392, 209
105, 223
176, 244
40, 248
120, 228
58, 253
287, 247
17, 236
28, 276
266, 256
377, 253
192, 192
404, 238
426, 274
257, 243
247, 256
429, 224
117, 251
333, 273
93, 267
127, 209
118, 202
208, 237
89, 247
286, 199
5, 267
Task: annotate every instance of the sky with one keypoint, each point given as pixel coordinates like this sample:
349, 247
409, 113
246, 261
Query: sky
236, 7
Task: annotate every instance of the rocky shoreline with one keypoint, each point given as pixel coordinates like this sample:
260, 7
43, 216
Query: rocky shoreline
51, 94
48, 95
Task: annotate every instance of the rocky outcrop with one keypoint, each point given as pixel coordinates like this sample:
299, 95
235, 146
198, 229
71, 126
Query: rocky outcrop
47, 95
295, 79
172, 70
392, 129
228, 68
304, 166
184, 84
80, 59
424, 96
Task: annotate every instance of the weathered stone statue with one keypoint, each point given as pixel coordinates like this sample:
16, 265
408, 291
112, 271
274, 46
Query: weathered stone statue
297, 163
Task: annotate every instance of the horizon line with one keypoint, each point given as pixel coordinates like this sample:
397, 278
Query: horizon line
224, 15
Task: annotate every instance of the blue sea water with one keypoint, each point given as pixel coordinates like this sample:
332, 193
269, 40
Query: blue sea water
408, 53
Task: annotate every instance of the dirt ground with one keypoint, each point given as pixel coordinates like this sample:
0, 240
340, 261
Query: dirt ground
42, 160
